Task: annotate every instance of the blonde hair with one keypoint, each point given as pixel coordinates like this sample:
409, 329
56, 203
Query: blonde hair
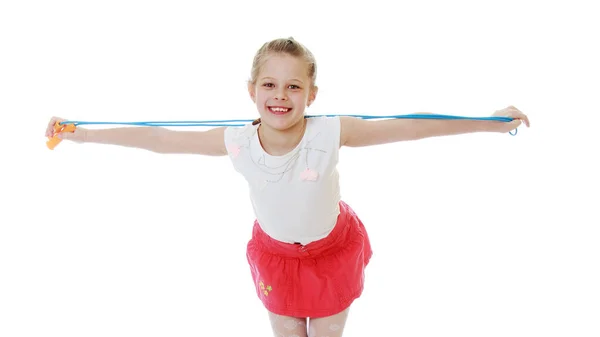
287, 46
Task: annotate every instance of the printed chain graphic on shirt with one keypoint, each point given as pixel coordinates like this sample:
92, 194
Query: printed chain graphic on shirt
307, 175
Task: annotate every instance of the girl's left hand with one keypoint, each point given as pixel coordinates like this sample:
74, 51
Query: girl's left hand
511, 112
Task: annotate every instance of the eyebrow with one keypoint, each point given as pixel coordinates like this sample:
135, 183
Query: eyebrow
271, 78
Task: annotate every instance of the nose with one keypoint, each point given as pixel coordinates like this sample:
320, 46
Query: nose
281, 95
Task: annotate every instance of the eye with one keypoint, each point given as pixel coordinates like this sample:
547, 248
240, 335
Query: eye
268, 85
293, 86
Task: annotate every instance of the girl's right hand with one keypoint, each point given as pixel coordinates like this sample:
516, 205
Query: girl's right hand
77, 136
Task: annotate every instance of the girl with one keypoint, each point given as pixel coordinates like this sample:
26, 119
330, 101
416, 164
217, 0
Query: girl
308, 250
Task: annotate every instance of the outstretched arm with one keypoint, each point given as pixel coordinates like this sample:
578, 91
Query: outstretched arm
356, 132
156, 139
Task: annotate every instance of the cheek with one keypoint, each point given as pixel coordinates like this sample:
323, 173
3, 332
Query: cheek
299, 97
261, 97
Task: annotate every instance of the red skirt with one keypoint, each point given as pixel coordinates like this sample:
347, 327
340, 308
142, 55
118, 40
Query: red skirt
319, 279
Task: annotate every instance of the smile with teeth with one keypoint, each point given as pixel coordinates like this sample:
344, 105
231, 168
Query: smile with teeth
279, 110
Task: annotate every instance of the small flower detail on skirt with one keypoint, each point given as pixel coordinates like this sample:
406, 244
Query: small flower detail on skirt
265, 290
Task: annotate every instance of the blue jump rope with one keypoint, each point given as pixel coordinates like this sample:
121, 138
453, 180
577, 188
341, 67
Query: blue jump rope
242, 122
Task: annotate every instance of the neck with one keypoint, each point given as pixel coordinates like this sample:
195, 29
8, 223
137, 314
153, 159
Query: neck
281, 141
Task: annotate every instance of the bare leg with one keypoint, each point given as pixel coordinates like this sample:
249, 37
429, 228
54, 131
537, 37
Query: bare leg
285, 326
332, 326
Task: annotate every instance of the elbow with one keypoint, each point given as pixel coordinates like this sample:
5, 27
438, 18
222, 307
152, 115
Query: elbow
159, 140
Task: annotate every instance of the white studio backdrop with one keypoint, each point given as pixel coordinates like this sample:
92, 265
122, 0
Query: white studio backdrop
474, 235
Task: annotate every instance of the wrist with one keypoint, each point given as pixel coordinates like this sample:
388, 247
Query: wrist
83, 135
491, 126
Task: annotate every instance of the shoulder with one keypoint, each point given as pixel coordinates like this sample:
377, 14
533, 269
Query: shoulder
235, 133
326, 125
327, 122
238, 137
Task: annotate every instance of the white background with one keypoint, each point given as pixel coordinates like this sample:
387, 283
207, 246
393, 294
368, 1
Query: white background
474, 235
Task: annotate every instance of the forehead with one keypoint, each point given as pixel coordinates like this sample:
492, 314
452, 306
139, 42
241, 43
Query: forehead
283, 66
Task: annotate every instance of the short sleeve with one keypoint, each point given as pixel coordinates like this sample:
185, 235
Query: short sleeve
228, 136
336, 128
237, 142
231, 135
333, 127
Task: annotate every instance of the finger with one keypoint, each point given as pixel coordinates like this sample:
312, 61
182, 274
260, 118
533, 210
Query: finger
526, 120
518, 114
514, 124
66, 135
50, 128
523, 118
70, 135
515, 113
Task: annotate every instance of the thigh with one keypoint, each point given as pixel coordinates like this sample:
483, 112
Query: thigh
331, 326
285, 326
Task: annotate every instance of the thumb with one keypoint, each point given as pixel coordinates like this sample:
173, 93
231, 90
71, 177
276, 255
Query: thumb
513, 124
64, 135
68, 135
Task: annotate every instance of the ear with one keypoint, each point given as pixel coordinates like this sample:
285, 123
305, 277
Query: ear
312, 95
252, 91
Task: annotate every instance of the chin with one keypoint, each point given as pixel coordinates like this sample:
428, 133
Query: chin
281, 121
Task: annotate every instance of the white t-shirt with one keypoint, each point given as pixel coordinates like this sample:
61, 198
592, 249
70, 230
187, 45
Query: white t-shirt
295, 196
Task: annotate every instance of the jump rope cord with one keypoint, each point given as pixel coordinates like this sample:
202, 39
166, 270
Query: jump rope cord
242, 122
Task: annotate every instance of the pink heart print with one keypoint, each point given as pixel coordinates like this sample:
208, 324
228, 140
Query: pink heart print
234, 150
309, 174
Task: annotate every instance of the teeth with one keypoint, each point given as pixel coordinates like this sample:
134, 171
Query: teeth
279, 109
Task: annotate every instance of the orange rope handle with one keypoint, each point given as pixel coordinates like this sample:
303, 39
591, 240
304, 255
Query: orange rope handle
54, 140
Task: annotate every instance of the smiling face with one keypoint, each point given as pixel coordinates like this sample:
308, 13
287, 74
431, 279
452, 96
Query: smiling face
282, 91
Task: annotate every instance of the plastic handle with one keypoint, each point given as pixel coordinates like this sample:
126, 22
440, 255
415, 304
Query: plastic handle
54, 140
